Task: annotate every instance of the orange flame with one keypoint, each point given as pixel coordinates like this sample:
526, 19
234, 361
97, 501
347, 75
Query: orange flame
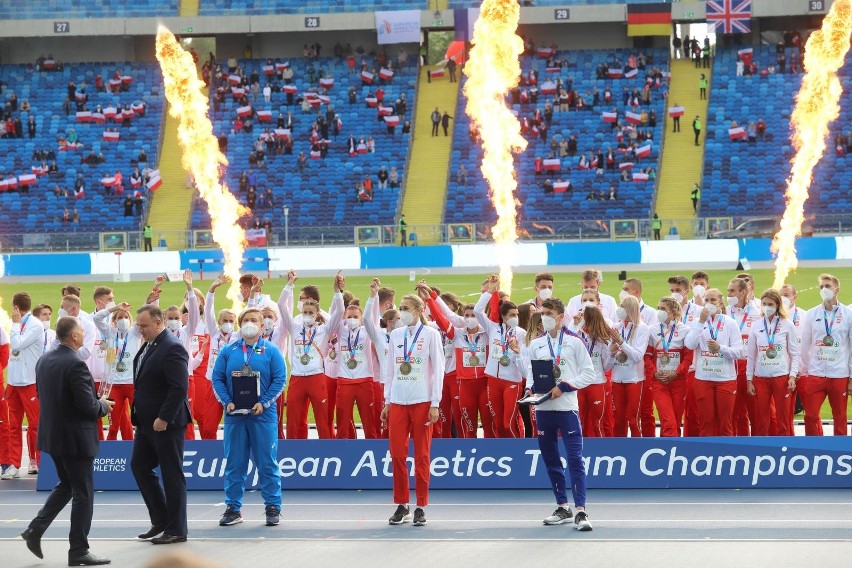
201, 155
492, 70
817, 105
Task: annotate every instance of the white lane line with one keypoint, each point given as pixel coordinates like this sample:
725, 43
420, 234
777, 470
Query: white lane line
461, 539
709, 524
493, 504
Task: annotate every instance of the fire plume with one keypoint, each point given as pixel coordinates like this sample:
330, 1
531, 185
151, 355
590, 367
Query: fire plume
201, 154
817, 105
493, 69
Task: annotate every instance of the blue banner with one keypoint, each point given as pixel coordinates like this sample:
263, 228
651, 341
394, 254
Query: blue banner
611, 463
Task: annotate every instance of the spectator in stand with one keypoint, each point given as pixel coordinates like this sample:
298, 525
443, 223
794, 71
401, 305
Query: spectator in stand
139, 202
393, 177
548, 186
31, 126
462, 175
142, 158
751, 132
383, 177
406, 127
75, 217
238, 125
66, 216
702, 87
761, 129
301, 161
251, 198
436, 120
128, 206
445, 123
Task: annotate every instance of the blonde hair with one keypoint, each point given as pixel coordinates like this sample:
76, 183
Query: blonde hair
246, 312
226, 312
418, 302
826, 276
533, 328
672, 305
775, 296
722, 307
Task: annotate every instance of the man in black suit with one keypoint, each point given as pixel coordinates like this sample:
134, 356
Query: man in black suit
68, 431
160, 413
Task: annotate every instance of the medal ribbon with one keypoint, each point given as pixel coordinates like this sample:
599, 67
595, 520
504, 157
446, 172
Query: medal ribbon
745, 316
306, 343
24, 323
123, 346
247, 353
405, 350
584, 337
714, 336
771, 338
504, 341
828, 328
663, 340
471, 345
629, 334
351, 347
558, 356
686, 313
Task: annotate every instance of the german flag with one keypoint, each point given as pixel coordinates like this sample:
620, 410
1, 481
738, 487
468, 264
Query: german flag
649, 19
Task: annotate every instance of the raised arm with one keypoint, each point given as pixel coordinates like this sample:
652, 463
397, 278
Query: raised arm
479, 308
285, 300
335, 318
19, 340
210, 316
371, 317
153, 297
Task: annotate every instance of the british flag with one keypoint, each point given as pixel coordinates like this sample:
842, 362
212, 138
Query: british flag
729, 16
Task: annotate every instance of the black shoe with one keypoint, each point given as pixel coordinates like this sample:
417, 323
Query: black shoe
33, 541
273, 515
401, 515
152, 532
419, 517
559, 517
582, 521
230, 517
168, 539
88, 559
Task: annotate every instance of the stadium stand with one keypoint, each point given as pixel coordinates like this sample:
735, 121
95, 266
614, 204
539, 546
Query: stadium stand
32, 216
323, 195
739, 174
475, 3
47, 9
259, 7
560, 212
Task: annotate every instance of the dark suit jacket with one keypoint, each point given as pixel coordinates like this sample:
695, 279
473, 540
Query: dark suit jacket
69, 405
161, 382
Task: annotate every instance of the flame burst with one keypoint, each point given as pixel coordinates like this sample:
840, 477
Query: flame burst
201, 155
492, 70
817, 105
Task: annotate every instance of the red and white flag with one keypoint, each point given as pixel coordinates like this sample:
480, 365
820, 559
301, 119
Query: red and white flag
244, 111
633, 117
112, 136
552, 70
372, 102
631, 74
27, 179
614, 73
625, 166
282, 133
79, 193
738, 133
70, 146
269, 70
39, 171
110, 112
544, 52
439, 72
127, 114
126, 79
745, 51
264, 115
676, 111
316, 154
281, 66
643, 151
552, 165
322, 99
235, 79
114, 84
135, 182
548, 88
154, 182
639, 176
84, 116
611, 117
366, 77
385, 111
238, 93
291, 89
49, 63
98, 118
108, 181
4, 185
386, 74
138, 108
392, 120
326, 82
561, 186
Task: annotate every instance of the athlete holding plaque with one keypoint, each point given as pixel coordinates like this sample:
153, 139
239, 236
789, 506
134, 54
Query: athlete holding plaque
308, 346
413, 390
670, 364
248, 377
773, 365
629, 342
122, 342
504, 370
718, 345
826, 349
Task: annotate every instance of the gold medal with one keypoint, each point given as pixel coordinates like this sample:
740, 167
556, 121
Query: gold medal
352, 363
664, 358
305, 359
473, 361
405, 368
621, 358
504, 360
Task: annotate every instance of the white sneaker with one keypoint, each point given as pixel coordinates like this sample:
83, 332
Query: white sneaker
559, 517
581, 521
11, 472
33, 469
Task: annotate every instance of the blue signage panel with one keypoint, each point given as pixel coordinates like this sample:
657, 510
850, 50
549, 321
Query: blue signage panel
611, 463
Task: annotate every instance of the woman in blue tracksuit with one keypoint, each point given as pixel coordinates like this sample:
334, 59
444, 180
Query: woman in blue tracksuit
256, 431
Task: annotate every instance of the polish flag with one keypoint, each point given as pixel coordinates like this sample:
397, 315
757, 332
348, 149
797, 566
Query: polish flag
631, 74
281, 66
737, 133
291, 89
269, 70
70, 146
385, 111
611, 117
311, 96
49, 63
27, 179
361, 148
138, 108
676, 111
366, 77
98, 118
84, 116
238, 93
324, 99
114, 84
639, 176
282, 133
79, 193
552, 70
264, 115
235, 79
386, 74
39, 171
548, 88
553, 165
544, 52
127, 114
372, 102
625, 166
436, 72
614, 73
154, 182
127, 79
643, 151
392, 120
633, 117
137, 194
4, 185
561, 186
244, 111
108, 181
111, 136
80, 96
316, 154
326, 82
745, 51
135, 182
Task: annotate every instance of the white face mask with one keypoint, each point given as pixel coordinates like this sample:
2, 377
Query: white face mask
122, 324
698, 291
353, 323
512, 322
62, 313
250, 329
299, 305
268, 324
827, 294
227, 327
678, 297
712, 309
589, 304
621, 313
733, 301
623, 294
662, 316
788, 303
110, 305
545, 293
769, 311
406, 318
472, 323
174, 325
548, 323
45, 325
309, 320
